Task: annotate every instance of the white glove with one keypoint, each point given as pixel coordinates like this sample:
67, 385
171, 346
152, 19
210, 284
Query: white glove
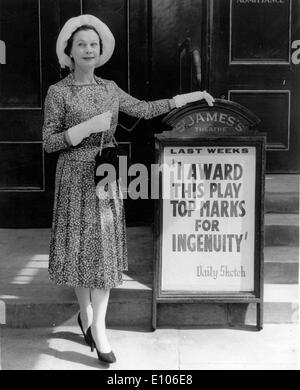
181, 100
94, 125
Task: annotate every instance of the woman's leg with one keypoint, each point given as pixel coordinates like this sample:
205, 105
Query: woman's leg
86, 312
100, 302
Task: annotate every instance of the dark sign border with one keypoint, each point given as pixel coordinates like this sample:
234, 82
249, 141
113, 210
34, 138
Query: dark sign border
257, 141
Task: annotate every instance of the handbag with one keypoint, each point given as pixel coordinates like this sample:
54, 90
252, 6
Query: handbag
110, 155
107, 155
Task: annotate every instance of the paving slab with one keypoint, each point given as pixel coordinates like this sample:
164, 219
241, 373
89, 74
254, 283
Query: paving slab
267, 347
276, 347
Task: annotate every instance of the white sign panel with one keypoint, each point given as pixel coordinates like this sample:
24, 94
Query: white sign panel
208, 219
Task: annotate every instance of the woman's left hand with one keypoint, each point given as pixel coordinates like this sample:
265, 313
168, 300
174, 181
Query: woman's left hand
181, 100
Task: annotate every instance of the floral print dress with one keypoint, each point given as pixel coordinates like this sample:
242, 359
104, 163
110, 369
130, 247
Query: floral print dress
88, 236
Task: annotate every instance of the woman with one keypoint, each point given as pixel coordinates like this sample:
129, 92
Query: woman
88, 238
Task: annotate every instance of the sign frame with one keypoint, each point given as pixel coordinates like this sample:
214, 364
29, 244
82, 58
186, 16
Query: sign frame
248, 139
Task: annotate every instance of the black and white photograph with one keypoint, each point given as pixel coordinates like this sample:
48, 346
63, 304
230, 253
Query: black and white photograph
149, 188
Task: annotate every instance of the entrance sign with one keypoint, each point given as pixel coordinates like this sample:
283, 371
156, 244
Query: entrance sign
209, 218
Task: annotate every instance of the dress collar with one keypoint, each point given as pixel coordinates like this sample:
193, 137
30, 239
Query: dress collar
70, 80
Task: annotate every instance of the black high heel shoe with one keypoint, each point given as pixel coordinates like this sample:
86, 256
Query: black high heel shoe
86, 336
108, 357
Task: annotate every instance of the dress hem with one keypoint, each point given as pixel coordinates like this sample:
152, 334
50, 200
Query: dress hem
71, 284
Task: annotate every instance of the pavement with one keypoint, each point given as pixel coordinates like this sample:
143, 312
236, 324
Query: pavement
275, 347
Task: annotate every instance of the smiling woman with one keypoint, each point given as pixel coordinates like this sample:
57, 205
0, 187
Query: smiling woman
84, 46
88, 248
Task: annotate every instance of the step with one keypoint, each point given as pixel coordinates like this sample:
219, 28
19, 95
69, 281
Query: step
281, 230
2, 322
131, 306
281, 273
279, 254
282, 194
32, 301
278, 183
281, 265
280, 306
282, 203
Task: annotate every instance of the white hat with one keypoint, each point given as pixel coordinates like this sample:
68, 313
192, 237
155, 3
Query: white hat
107, 38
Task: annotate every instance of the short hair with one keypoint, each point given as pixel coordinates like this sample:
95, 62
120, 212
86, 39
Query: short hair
84, 27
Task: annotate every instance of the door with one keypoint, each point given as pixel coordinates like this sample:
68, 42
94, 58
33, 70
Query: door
241, 50
179, 46
28, 65
255, 59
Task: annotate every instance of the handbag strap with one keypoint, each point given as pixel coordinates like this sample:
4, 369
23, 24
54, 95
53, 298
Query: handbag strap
131, 128
115, 141
102, 142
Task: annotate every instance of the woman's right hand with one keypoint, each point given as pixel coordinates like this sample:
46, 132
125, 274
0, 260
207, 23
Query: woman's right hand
181, 100
100, 122
97, 124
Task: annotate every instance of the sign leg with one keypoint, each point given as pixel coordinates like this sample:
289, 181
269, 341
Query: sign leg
259, 316
154, 314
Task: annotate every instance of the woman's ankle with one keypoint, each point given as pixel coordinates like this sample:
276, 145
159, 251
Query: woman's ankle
100, 338
86, 319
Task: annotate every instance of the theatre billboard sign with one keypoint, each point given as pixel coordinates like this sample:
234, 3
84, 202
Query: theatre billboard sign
209, 218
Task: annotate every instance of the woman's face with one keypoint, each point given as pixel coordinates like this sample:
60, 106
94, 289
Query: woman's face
85, 49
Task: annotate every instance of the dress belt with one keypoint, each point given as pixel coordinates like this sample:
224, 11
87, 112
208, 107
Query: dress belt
83, 154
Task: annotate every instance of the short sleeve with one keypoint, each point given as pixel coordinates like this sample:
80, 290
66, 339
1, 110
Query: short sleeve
54, 121
140, 108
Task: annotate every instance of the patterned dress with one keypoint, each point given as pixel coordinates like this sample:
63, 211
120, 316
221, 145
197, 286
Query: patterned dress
88, 235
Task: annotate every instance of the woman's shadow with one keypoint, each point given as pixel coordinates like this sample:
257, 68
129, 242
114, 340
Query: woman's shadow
75, 356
